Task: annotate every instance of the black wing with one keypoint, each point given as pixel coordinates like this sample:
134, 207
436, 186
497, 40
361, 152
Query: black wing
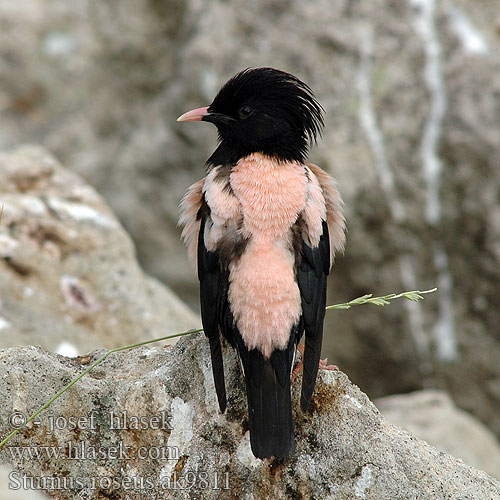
312, 274
213, 296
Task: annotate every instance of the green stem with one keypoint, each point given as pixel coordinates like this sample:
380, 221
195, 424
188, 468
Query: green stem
415, 296
90, 367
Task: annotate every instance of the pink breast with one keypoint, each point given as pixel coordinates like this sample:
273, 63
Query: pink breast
264, 297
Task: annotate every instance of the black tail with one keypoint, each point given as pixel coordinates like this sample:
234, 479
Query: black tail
269, 403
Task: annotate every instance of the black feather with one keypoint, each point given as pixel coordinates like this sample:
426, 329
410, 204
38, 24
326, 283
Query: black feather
213, 292
312, 274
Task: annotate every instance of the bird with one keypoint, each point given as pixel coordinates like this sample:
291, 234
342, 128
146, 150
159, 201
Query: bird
263, 227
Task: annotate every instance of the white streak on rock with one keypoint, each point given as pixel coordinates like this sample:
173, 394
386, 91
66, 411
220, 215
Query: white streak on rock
148, 351
182, 425
431, 163
446, 344
363, 483
414, 310
244, 453
4, 324
58, 44
181, 414
354, 401
67, 349
369, 124
375, 139
444, 332
470, 37
7, 245
32, 204
80, 212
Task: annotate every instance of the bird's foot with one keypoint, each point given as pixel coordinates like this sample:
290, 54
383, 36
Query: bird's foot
322, 365
296, 370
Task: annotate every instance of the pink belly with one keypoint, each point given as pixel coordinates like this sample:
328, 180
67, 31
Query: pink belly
264, 296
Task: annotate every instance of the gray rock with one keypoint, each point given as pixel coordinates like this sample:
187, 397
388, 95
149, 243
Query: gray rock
70, 279
431, 415
344, 447
406, 86
8, 477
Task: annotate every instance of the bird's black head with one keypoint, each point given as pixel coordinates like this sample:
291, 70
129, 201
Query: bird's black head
262, 110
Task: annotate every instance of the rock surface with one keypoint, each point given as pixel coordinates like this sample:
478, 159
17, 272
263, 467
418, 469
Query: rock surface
6, 493
407, 86
69, 279
344, 447
431, 416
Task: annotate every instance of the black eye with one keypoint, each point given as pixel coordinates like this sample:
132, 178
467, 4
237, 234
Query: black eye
245, 112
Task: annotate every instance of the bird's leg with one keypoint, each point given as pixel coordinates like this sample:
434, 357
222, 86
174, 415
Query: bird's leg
322, 363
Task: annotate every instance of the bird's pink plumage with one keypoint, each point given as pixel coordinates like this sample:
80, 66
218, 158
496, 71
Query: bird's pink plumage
263, 200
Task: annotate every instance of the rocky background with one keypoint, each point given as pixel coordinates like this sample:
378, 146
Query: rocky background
69, 277
412, 95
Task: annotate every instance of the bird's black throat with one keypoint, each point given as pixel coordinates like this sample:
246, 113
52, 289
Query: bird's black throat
229, 152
